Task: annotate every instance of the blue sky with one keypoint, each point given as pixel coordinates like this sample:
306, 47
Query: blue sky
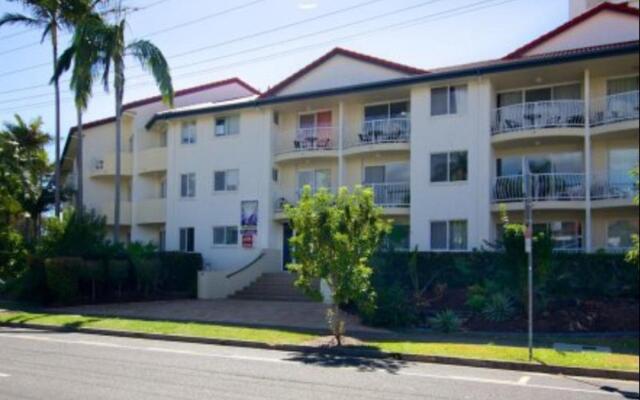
202, 40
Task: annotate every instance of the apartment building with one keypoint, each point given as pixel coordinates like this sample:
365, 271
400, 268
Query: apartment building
443, 150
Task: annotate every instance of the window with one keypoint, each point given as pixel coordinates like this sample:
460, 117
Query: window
225, 235
448, 100
622, 85
449, 167
226, 181
619, 234
188, 185
274, 174
398, 109
571, 91
162, 240
559, 163
162, 189
621, 162
227, 125
187, 238
317, 179
449, 235
389, 173
188, 133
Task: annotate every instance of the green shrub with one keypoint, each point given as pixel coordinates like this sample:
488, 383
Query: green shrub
446, 321
393, 308
147, 273
118, 274
63, 278
499, 308
31, 285
13, 254
179, 271
476, 298
92, 275
78, 234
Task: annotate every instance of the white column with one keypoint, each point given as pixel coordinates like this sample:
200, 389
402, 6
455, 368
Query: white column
340, 144
587, 158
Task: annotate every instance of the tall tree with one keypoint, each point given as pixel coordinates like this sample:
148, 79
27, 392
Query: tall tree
51, 16
84, 57
109, 45
25, 170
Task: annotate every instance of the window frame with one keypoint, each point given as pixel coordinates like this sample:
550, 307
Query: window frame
225, 231
188, 186
448, 247
448, 167
448, 111
227, 125
193, 139
226, 180
186, 230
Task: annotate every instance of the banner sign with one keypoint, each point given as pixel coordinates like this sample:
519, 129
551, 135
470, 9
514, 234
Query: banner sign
248, 223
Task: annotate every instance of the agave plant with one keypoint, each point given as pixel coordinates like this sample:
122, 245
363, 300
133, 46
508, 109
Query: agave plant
499, 308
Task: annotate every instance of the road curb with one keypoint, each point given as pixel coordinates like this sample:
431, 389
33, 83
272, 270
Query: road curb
506, 365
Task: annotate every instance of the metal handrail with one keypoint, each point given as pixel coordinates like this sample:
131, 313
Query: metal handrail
615, 108
544, 187
396, 194
538, 115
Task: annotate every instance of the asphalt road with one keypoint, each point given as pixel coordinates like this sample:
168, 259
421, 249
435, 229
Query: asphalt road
56, 366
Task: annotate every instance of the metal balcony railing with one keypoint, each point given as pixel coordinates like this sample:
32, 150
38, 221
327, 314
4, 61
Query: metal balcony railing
318, 138
385, 130
612, 185
538, 115
615, 108
391, 194
544, 187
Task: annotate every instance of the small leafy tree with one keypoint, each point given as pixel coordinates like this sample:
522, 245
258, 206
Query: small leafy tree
334, 239
634, 251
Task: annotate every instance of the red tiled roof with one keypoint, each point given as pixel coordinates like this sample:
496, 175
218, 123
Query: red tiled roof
347, 53
178, 93
621, 8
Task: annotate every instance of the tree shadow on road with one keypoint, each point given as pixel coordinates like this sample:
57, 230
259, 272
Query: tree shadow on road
334, 360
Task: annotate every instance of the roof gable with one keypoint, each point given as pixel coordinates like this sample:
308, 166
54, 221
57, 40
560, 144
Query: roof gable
605, 24
339, 68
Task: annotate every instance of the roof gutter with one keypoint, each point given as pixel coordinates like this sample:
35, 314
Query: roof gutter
429, 77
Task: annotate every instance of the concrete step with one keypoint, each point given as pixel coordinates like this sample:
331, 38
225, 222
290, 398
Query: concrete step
275, 286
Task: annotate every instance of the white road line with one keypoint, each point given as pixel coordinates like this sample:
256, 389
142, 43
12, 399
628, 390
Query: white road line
274, 360
524, 380
4, 375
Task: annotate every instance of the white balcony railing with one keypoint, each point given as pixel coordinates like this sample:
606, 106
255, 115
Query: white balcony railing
538, 115
615, 108
386, 130
292, 196
612, 185
544, 187
317, 138
391, 194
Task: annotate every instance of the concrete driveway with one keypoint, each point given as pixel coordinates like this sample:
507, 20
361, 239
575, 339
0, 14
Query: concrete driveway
293, 315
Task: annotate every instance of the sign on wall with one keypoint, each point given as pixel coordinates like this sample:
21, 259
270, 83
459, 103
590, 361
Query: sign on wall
248, 222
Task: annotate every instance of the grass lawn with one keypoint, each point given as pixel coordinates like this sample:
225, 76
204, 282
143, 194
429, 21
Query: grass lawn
624, 354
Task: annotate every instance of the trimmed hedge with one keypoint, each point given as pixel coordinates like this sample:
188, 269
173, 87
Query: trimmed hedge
179, 271
63, 278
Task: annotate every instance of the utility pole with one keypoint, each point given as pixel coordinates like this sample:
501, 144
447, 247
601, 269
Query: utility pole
528, 246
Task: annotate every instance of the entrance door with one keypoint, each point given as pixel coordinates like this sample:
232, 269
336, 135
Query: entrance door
287, 233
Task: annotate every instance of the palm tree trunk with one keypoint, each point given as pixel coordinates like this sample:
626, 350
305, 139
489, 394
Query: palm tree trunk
79, 188
56, 85
119, 89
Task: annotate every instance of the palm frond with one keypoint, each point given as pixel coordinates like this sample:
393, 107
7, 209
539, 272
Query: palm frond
152, 59
20, 19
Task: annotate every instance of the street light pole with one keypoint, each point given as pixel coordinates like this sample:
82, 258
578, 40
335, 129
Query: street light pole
528, 245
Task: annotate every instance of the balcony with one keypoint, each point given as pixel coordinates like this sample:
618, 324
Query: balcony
391, 194
106, 167
152, 160
381, 134
151, 211
318, 141
560, 190
616, 109
515, 120
612, 189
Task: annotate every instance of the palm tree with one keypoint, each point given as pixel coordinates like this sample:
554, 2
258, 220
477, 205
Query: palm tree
107, 44
84, 57
51, 16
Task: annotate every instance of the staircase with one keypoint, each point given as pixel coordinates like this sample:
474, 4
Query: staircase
272, 286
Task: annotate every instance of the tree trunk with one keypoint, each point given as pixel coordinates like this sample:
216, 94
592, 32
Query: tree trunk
56, 85
119, 89
79, 188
